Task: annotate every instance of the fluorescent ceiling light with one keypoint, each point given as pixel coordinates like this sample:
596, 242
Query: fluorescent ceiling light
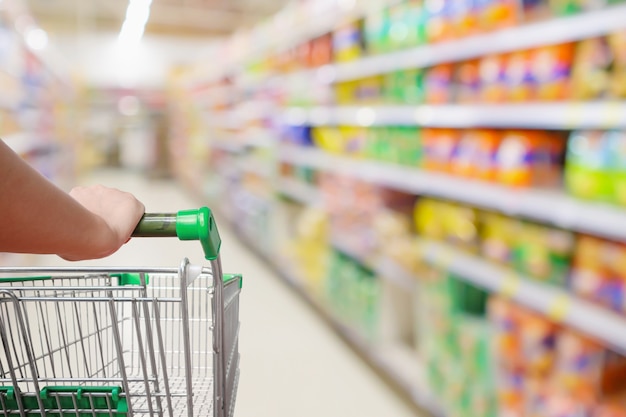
137, 15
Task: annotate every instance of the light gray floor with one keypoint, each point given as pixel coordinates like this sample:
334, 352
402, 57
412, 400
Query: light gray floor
292, 363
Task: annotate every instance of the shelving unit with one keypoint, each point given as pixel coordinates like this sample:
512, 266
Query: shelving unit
397, 364
553, 31
554, 116
299, 169
546, 206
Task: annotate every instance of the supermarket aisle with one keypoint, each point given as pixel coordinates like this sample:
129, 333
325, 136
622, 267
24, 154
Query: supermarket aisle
292, 363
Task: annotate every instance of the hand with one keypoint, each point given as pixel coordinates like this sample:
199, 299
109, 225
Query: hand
117, 214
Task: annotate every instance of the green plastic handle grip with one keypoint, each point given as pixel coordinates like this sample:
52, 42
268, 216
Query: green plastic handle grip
198, 224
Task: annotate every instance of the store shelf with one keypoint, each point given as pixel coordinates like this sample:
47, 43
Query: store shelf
299, 191
559, 116
395, 363
551, 207
555, 31
555, 303
303, 21
384, 267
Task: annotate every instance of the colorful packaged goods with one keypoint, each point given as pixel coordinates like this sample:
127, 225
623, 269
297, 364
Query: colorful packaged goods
551, 67
598, 272
492, 71
498, 237
587, 166
354, 140
438, 83
497, 14
439, 147
438, 26
529, 158
404, 87
347, 42
536, 10
543, 253
464, 18
487, 144
365, 91
468, 82
410, 146
617, 150
465, 157
452, 223
329, 139
591, 73
406, 25
518, 77
321, 51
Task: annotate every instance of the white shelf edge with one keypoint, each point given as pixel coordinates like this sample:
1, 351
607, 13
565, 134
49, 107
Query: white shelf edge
554, 31
299, 191
551, 207
552, 302
560, 115
386, 268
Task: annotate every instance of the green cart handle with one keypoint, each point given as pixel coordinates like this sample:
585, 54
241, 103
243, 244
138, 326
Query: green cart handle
196, 224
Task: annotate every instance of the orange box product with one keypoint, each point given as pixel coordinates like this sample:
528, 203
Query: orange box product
439, 146
551, 67
438, 25
537, 341
505, 318
492, 70
467, 79
529, 158
518, 77
438, 83
466, 155
487, 142
464, 18
497, 14
321, 51
592, 69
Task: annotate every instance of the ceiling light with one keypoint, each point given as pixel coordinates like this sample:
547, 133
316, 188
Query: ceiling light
37, 39
137, 15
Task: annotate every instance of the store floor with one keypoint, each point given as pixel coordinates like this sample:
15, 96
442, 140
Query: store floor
292, 363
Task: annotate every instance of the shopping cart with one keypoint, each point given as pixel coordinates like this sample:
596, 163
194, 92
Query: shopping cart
123, 341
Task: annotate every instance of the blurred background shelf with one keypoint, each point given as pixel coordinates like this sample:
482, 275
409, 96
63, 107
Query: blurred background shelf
556, 116
547, 206
554, 303
554, 31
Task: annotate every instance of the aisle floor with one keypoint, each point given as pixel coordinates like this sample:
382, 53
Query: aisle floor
292, 363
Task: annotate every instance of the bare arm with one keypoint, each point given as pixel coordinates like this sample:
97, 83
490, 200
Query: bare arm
37, 217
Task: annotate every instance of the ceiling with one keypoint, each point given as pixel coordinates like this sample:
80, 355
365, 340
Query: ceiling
180, 18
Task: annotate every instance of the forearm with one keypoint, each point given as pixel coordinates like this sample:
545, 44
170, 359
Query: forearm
38, 217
